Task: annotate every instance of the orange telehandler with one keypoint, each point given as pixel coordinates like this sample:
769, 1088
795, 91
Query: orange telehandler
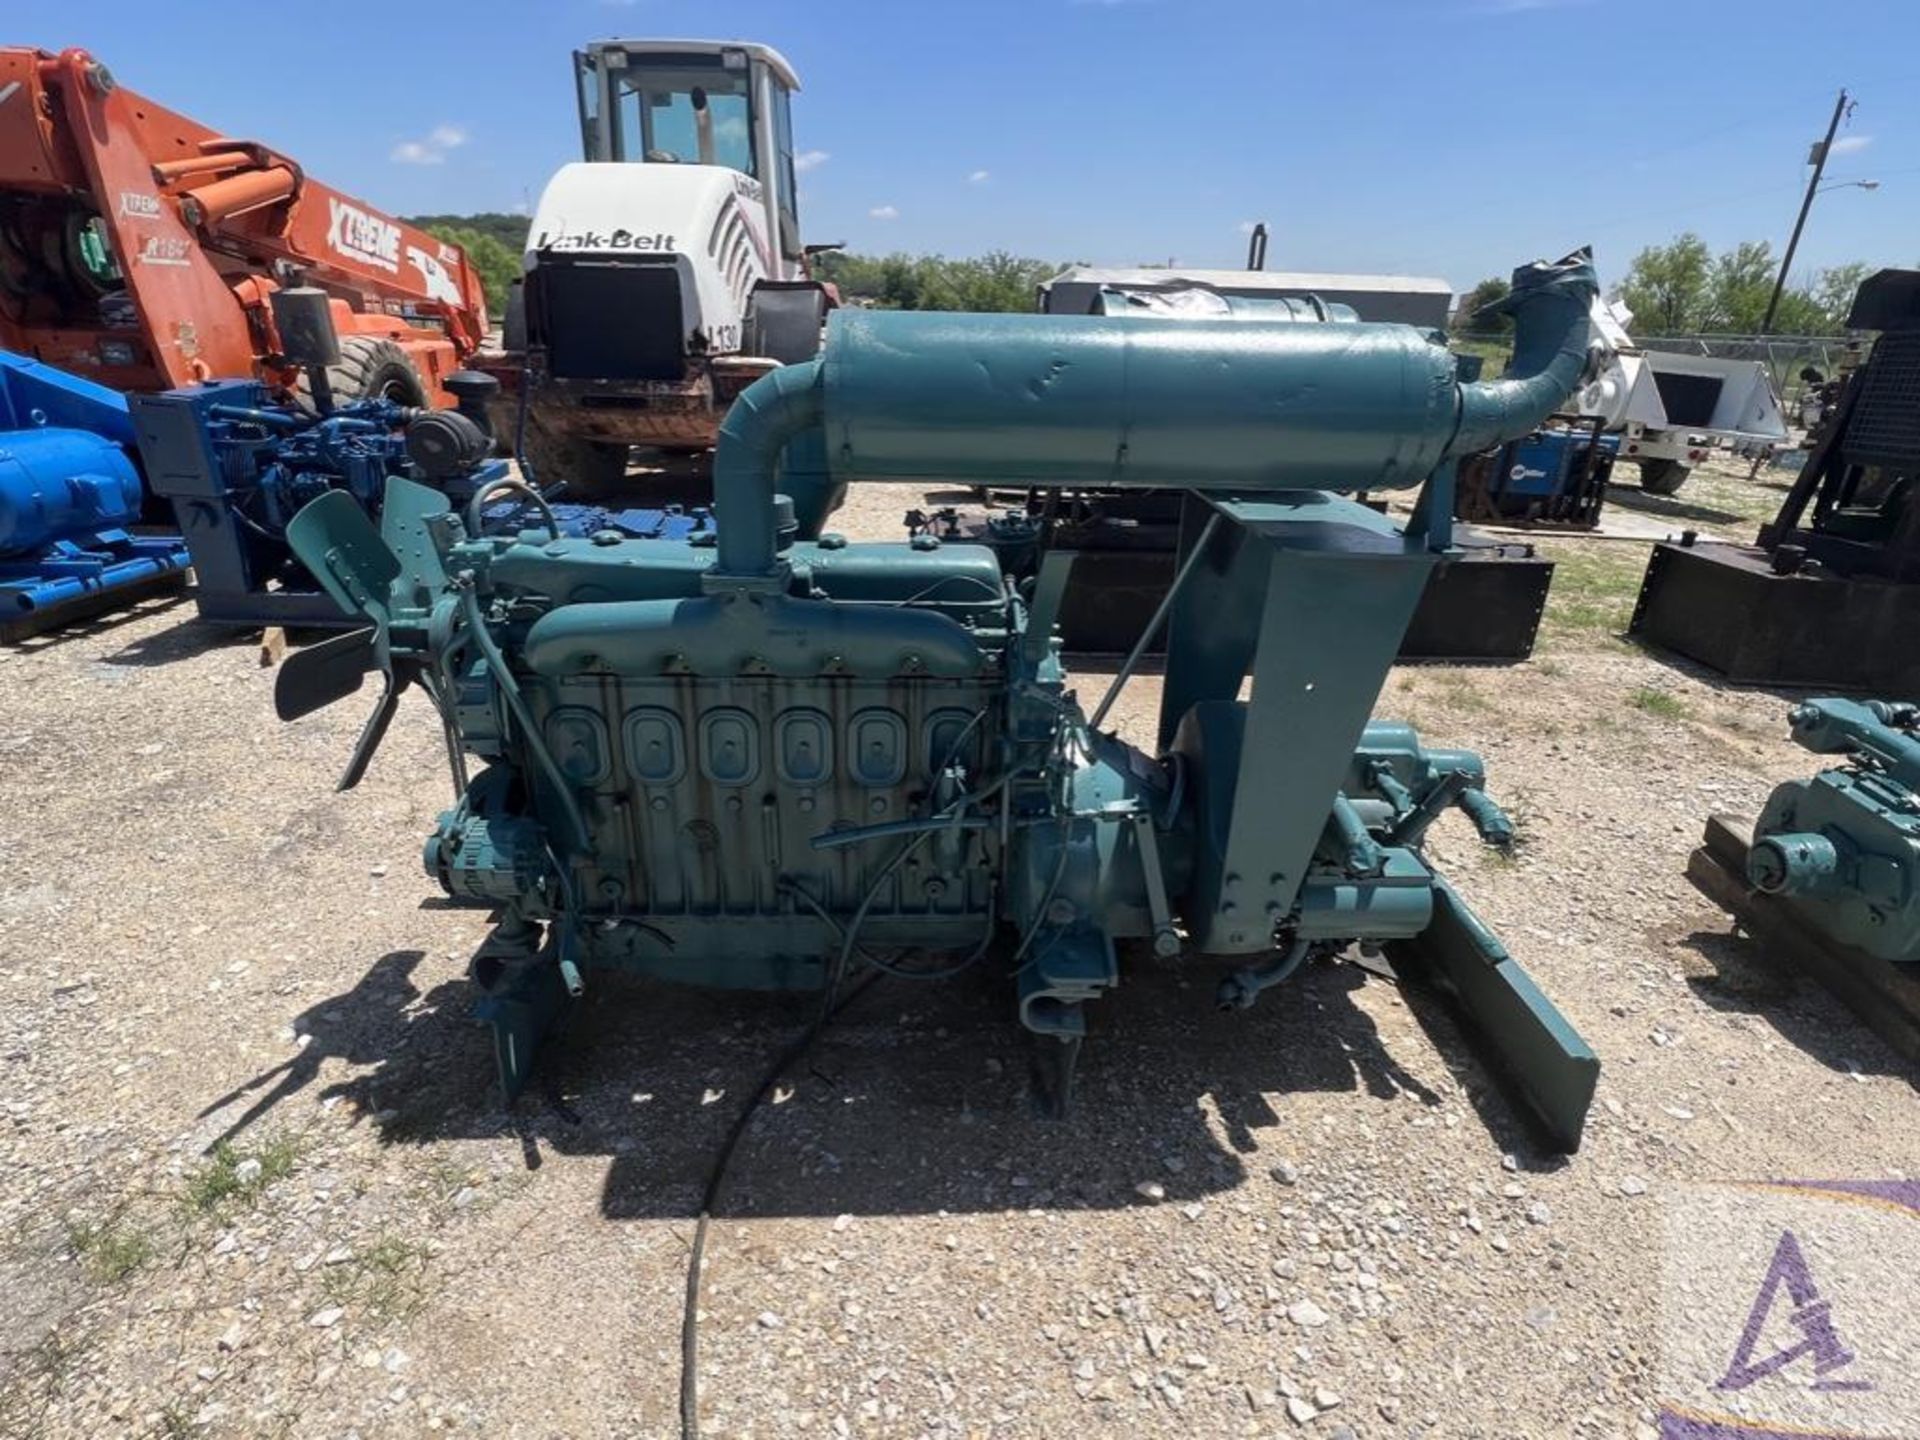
139, 248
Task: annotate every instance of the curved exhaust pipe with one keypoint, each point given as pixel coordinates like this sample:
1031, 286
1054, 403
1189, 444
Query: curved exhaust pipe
1550, 305
767, 414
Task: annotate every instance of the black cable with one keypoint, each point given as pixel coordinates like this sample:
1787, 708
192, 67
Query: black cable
716, 1178
901, 972
832, 1004
520, 434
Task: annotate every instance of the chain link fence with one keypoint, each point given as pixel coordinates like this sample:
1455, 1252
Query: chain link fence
1785, 356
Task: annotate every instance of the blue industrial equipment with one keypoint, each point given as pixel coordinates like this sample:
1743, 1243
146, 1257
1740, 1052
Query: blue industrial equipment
769, 762
69, 490
237, 466
1556, 475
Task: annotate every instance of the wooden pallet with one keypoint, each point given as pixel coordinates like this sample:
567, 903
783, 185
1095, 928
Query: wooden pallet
1884, 994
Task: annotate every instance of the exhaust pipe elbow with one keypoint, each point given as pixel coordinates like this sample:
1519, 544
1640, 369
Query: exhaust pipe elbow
766, 415
1550, 305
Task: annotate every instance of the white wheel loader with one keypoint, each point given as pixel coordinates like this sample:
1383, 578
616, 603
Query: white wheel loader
664, 272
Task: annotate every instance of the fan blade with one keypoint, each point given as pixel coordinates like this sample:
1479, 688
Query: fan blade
403, 516
314, 677
337, 543
374, 731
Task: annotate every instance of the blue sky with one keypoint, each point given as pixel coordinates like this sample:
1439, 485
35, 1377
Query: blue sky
1447, 137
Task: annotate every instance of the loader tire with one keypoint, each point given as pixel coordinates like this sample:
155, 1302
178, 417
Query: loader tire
1663, 477
592, 470
369, 368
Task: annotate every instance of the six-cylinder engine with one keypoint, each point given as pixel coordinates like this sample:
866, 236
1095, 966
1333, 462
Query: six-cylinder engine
750, 759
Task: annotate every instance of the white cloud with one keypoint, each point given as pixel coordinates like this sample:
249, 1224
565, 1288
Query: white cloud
810, 160
1850, 144
883, 212
979, 177
1246, 227
432, 150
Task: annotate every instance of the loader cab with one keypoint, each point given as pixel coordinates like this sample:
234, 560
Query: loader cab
697, 102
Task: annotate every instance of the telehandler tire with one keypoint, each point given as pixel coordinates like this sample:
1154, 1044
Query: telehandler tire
369, 368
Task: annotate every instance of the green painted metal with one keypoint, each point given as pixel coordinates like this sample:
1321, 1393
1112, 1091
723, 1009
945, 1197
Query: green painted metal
1116, 402
1842, 850
1309, 595
1531, 1043
1129, 401
1119, 402
754, 762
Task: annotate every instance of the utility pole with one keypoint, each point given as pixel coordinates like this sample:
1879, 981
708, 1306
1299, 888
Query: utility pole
1819, 158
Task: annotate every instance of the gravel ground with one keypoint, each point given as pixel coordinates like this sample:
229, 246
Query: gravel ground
253, 1180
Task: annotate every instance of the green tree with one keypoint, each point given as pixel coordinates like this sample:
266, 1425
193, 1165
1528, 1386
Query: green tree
1490, 291
1739, 287
1682, 288
1832, 294
509, 230
497, 265
996, 281
1668, 287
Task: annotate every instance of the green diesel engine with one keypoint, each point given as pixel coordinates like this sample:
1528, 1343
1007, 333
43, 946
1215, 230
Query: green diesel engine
1842, 850
750, 759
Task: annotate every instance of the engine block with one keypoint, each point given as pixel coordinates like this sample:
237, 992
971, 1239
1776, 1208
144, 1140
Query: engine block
1842, 850
739, 758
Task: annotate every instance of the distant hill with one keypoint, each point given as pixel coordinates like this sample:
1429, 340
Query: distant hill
509, 230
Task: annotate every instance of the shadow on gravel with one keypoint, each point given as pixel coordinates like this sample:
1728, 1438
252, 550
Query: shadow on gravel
1668, 508
86, 627
914, 1100
180, 642
1746, 980
362, 1026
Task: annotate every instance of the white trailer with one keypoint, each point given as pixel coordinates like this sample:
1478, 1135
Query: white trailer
1671, 410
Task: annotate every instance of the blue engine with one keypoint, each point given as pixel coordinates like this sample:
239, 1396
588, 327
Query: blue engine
69, 490
237, 467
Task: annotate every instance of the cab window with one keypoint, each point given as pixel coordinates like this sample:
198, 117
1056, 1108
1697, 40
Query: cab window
587, 76
657, 115
789, 179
